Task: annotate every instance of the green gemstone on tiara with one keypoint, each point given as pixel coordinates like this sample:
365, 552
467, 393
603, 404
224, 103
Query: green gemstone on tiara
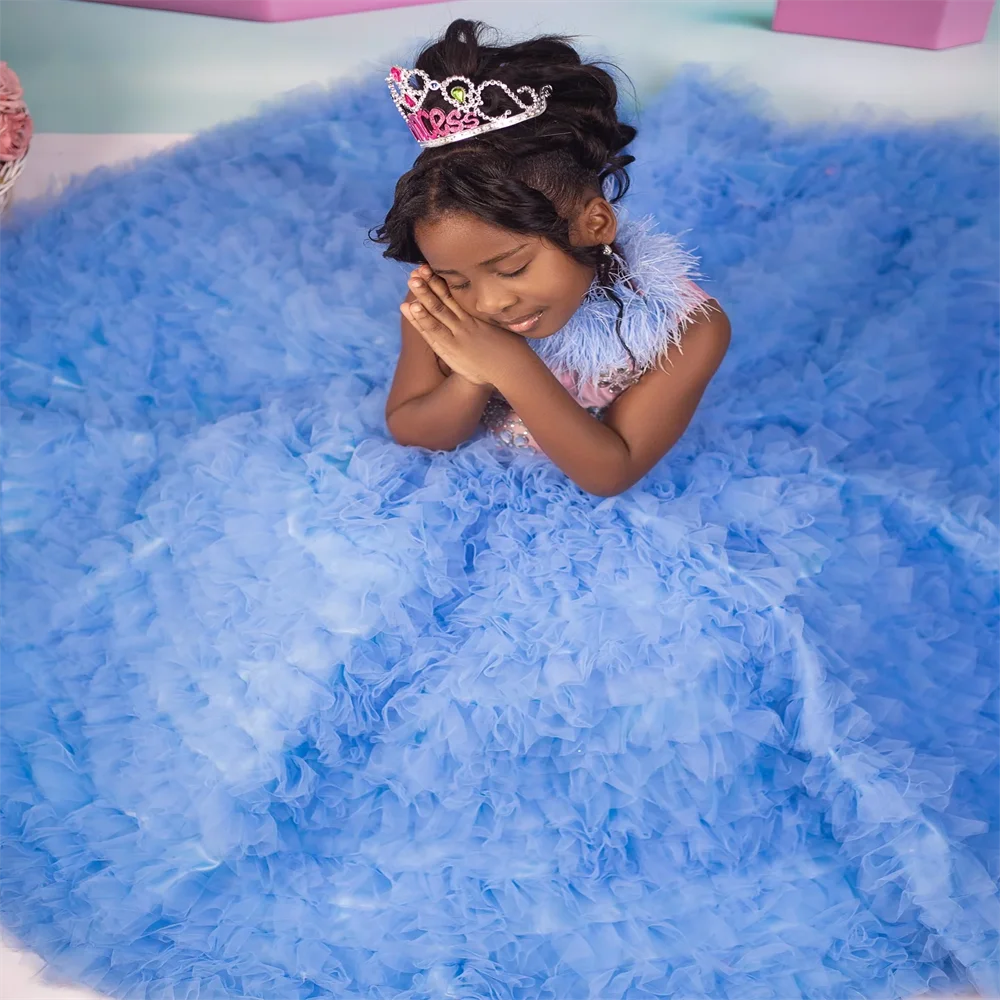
458, 94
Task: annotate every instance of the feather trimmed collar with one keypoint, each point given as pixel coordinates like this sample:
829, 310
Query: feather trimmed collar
659, 295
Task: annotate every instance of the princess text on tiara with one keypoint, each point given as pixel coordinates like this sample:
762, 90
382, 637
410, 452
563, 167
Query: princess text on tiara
435, 127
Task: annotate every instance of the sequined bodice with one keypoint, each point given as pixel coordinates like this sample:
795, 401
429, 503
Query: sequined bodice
501, 420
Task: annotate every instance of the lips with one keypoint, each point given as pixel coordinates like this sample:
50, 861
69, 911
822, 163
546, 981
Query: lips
524, 324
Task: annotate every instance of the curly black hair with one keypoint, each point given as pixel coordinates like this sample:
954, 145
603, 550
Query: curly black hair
528, 177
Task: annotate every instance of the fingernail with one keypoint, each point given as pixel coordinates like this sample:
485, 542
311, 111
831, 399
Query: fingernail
416, 308
416, 283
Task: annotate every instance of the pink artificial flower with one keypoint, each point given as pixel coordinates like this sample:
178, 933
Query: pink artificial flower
10, 85
15, 135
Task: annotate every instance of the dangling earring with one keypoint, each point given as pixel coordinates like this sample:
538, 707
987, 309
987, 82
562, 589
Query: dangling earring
605, 263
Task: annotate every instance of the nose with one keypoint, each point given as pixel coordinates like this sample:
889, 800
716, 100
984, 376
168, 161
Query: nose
493, 298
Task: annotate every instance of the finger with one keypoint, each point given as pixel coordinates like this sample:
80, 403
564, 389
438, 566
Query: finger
427, 325
431, 302
427, 296
416, 320
440, 288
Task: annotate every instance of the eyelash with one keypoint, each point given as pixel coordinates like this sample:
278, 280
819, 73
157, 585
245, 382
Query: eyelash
512, 274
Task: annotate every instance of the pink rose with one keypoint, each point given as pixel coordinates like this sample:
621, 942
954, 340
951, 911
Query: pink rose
15, 135
11, 93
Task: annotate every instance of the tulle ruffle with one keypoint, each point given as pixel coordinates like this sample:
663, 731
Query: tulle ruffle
293, 712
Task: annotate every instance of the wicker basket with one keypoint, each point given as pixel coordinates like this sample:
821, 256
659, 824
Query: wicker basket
15, 131
8, 174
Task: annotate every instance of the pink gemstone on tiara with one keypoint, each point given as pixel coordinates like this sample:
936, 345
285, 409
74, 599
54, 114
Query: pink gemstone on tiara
436, 126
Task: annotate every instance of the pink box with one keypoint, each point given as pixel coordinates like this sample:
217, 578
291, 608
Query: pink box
922, 24
267, 10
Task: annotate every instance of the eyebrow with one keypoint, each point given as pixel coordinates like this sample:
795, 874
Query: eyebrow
486, 263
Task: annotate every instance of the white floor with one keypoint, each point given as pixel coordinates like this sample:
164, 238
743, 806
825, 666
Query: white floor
19, 979
55, 157
808, 78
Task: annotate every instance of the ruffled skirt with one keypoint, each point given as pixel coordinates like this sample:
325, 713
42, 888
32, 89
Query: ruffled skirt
293, 712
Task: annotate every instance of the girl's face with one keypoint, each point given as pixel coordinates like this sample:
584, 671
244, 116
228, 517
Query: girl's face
520, 283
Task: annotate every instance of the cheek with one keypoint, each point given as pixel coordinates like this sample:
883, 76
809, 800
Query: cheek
555, 280
570, 282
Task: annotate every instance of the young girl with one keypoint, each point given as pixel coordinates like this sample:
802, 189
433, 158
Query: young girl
536, 310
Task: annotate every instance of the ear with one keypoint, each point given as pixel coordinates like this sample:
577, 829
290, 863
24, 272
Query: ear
595, 223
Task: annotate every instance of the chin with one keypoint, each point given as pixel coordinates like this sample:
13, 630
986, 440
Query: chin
539, 335
545, 329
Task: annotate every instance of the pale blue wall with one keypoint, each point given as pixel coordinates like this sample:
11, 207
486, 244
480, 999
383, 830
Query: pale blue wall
89, 67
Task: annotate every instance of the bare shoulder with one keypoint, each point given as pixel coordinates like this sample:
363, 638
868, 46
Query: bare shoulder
703, 344
709, 333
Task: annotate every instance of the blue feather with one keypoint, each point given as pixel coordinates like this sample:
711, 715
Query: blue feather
659, 297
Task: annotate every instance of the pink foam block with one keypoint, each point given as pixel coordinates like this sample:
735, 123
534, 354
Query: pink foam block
922, 24
267, 10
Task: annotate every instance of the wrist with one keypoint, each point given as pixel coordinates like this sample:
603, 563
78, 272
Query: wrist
519, 366
466, 385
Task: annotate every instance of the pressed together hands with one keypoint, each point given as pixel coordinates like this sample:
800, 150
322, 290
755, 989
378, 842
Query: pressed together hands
479, 352
434, 409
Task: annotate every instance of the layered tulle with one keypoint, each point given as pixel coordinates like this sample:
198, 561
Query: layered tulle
293, 712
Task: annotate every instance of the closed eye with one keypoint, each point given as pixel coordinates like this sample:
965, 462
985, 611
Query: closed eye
502, 274
514, 274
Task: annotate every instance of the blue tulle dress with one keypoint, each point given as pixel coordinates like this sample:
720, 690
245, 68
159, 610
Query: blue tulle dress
290, 711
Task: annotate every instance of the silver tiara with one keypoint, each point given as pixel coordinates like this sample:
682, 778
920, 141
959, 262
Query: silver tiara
436, 127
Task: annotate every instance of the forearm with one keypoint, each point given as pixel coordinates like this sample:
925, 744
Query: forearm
441, 419
595, 457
